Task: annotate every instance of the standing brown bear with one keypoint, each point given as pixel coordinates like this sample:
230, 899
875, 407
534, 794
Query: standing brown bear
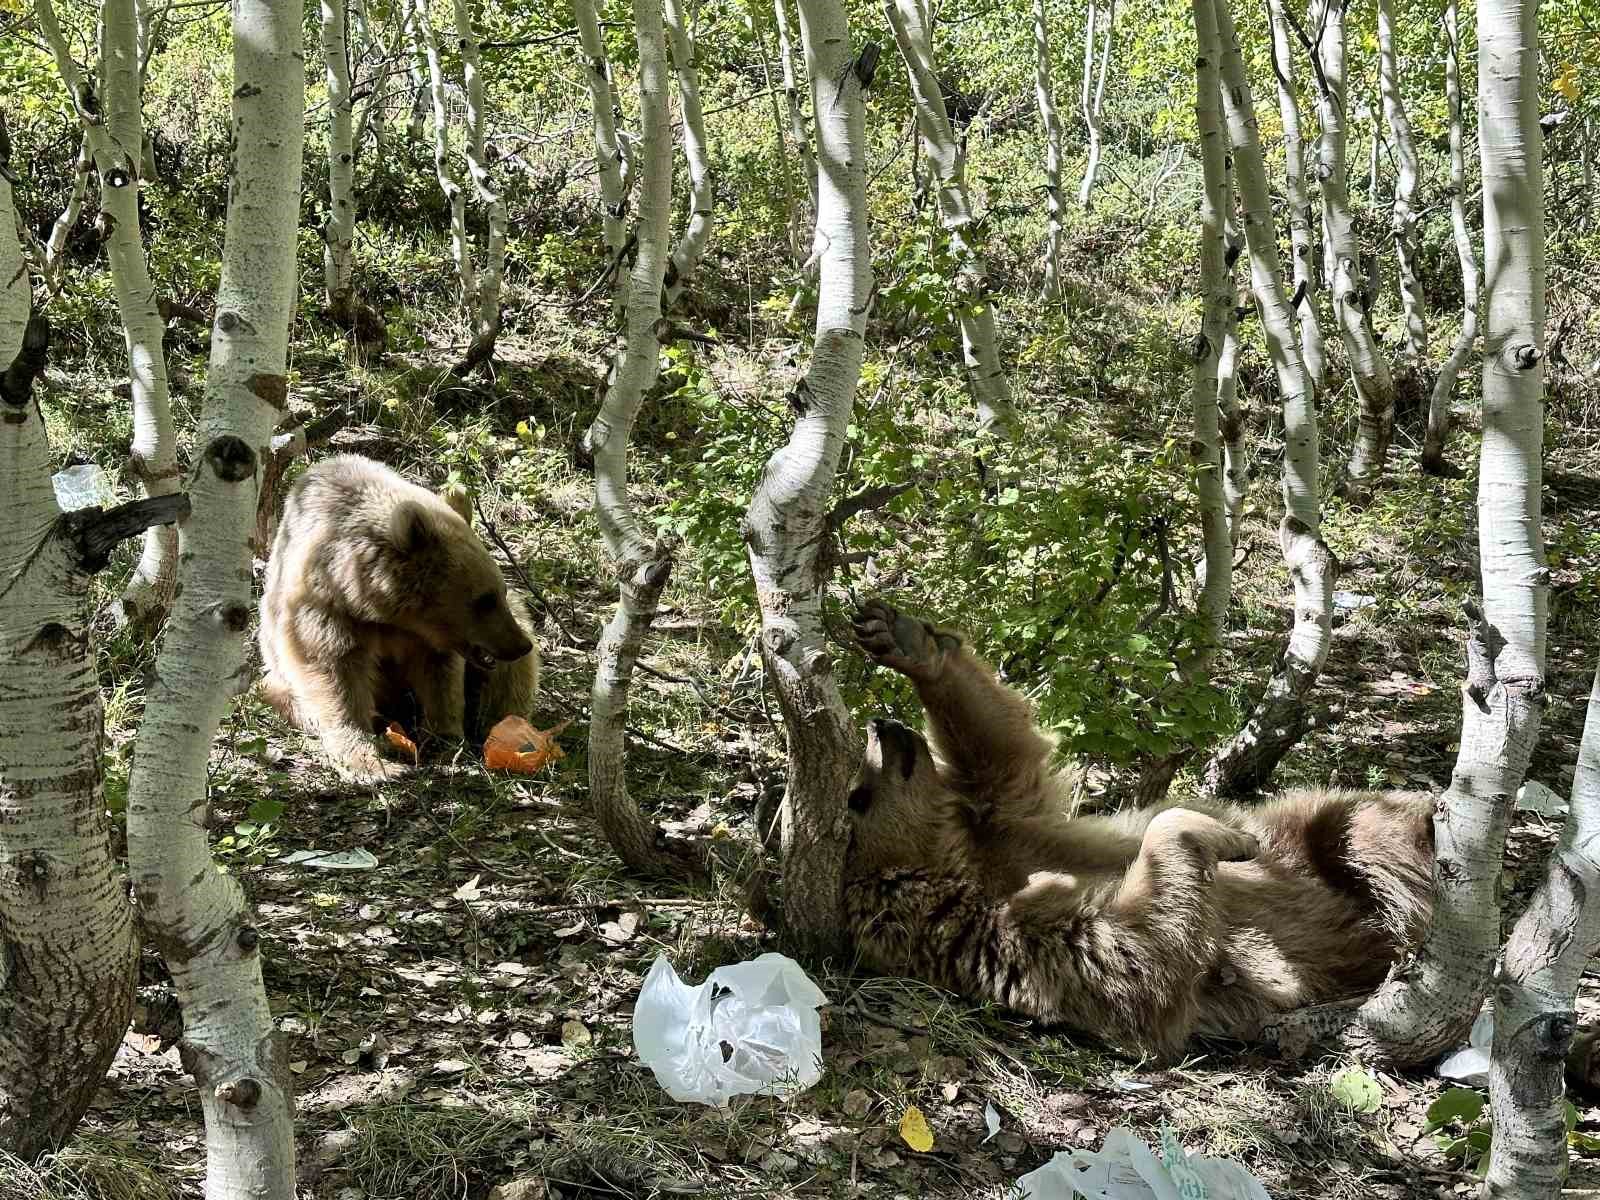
378, 593
967, 869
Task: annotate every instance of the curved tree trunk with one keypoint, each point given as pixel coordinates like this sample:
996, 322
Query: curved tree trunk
1444, 384
786, 526
642, 565
691, 246
486, 315
1050, 121
119, 125
194, 914
1305, 271
1094, 101
1403, 219
1374, 383
991, 393
1280, 719
56, 243
608, 151
427, 45
791, 95
68, 952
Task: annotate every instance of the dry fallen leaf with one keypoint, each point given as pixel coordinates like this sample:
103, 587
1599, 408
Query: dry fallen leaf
515, 745
914, 1130
397, 738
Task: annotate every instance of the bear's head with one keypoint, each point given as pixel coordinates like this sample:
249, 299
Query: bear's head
456, 597
902, 813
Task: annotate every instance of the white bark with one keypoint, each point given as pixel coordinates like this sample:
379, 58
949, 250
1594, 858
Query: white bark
1403, 220
1374, 383
1534, 1001
791, 94
608, 152
194, 914
1050, 122
56, 244
1235, 455
786, 525
486, 318
427, 45
1305, 272
1444, 384
785, 166
339, 232
1280, 719
1428, 1003
1094, 101
991, 393
691, 246
116, 137
1217, 301
642, 565
68, 952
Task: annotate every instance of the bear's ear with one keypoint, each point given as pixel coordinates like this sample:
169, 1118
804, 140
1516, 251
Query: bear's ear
410, 529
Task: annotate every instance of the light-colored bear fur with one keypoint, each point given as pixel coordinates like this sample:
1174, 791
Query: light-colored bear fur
968, 869
378, 593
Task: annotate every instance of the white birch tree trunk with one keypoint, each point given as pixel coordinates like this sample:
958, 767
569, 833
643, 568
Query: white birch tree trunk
1444, 384
991, 392
1374, 382
1231, 426
608, 152
194, 914
56, 244
1535, 998
68, 952
486, 317
1403, 217
427, 45
116, 138
642, 565
1050, 122
786, 526
1280, 718
691, 246
1094, 101
785, 165
1303, 246
339, 231
791, 96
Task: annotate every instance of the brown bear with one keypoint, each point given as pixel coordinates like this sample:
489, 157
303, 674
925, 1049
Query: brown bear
378, 593
968, 869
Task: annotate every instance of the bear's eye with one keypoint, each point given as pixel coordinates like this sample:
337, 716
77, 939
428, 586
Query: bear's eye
485, 604
860, 799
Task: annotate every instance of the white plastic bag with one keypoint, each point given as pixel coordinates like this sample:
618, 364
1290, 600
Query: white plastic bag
749, 1028
1470, 1064
81, 487
1126, 1169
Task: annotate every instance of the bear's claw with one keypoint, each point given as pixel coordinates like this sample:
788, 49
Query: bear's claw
898, 641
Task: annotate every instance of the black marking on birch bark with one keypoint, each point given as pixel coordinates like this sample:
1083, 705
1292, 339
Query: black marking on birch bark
243, 1092
16, 382
231, 458
248, 938
1526, 356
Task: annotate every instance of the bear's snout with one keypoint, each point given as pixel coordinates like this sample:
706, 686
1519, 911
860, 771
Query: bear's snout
894, 742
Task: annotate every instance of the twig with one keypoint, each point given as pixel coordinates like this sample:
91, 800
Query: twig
522, 576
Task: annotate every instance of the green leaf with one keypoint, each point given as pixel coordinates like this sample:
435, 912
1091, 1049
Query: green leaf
1455, 1104
1357, 1090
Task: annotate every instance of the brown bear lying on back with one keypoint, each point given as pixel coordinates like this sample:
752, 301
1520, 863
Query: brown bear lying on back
379, 595
967, 869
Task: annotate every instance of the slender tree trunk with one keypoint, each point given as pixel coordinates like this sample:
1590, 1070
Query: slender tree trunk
460, 248
1217, 302
691, 246
1433, 460
643, 566
1403, 220
1094, 102
117, 126
56, 244
339, 231
791, 94
1374, 383
194, 914
1235, 455
416, 63
991, 393
1050, 122
608, 151
1305, 271
1280, 719
785, 165
67, 947
1534, 1001
786, 527
486, 318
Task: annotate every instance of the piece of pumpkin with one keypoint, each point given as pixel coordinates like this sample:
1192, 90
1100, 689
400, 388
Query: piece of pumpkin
515, 745
397, 738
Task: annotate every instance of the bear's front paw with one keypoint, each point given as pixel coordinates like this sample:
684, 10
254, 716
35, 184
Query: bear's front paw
361, 763
901, 643
1202, 832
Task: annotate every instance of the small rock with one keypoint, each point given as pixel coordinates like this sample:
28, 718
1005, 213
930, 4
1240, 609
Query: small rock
521, 1189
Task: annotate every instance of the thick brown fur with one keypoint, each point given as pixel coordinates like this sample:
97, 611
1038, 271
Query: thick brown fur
380, 597
968, 869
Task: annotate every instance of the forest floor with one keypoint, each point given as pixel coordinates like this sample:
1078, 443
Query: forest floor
459, 1016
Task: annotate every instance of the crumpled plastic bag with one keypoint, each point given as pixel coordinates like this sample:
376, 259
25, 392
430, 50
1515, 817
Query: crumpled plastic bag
83, 486
1470, 1064
1127, 1169
749, 1028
